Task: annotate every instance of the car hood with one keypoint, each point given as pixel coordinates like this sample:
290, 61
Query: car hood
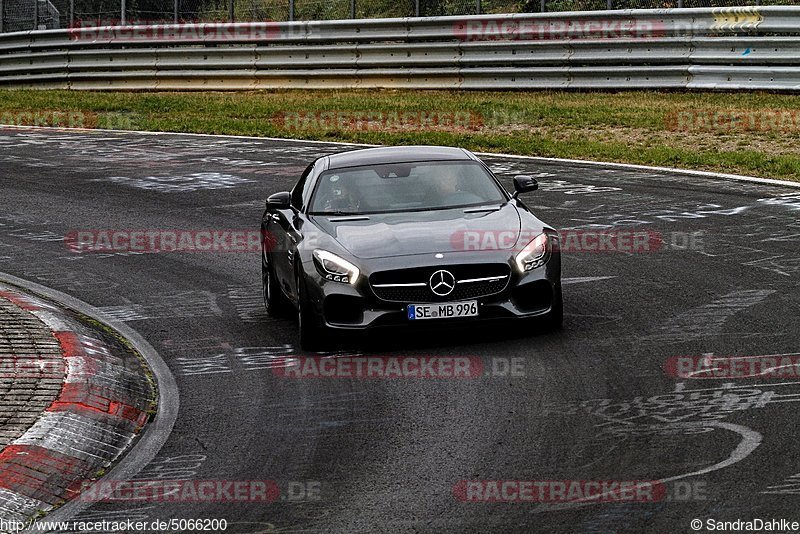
428, 232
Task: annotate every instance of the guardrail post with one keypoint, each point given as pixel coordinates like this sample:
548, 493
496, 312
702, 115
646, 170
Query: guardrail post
680, 4
71, 13
122, 12
610, 4
291, 10
352, 9
231, 14
416, 8
2, 16
175, 12
478, 7
543, 5
35, 14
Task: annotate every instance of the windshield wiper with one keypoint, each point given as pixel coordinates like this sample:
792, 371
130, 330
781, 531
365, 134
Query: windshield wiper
334, 212
349, 218
482, 209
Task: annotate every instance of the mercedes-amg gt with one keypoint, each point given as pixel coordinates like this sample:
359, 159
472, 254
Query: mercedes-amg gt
405, 237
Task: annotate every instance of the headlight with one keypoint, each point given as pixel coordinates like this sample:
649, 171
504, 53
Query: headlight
334, 268
535, 254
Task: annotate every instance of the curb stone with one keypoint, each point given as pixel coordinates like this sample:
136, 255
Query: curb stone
73, 398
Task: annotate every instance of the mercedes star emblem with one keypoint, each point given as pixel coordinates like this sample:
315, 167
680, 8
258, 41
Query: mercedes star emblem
442, 283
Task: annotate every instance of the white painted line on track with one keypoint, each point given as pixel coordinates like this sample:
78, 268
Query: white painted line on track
749, 443
582, 279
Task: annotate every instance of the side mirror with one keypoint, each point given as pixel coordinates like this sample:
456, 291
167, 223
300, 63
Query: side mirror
279, 201
524, 184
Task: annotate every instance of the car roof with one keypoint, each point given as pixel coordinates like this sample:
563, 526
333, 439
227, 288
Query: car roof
395, 154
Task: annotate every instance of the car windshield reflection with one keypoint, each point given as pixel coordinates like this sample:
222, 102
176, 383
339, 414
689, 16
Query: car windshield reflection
418, 186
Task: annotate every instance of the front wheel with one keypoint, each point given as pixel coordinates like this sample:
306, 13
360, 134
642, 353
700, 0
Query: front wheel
274, 299
313, 335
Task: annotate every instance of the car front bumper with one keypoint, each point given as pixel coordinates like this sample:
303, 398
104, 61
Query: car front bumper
356, 307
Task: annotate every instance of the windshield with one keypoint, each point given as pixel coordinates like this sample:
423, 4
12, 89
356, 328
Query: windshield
418, 186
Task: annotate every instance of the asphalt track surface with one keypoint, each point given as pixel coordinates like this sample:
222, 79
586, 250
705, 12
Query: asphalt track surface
592, 402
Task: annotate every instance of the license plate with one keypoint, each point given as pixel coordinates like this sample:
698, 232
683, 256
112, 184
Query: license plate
445, 310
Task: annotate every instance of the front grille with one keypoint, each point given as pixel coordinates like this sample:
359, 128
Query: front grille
421, 275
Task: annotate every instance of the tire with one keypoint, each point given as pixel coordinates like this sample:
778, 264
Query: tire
274, 300
555, 319
313, 335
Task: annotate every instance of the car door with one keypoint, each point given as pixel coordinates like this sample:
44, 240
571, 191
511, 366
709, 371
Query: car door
288, 234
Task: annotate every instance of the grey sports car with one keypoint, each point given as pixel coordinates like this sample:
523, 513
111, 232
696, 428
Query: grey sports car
406, 237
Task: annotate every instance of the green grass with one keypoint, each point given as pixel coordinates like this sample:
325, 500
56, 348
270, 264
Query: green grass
632, 127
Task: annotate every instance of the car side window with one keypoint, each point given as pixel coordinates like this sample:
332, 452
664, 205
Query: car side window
300, 187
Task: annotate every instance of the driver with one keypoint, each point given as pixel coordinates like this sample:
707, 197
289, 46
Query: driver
342, 196
450, 188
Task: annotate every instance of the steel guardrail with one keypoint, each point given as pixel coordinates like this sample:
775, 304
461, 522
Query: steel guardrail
737, 48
